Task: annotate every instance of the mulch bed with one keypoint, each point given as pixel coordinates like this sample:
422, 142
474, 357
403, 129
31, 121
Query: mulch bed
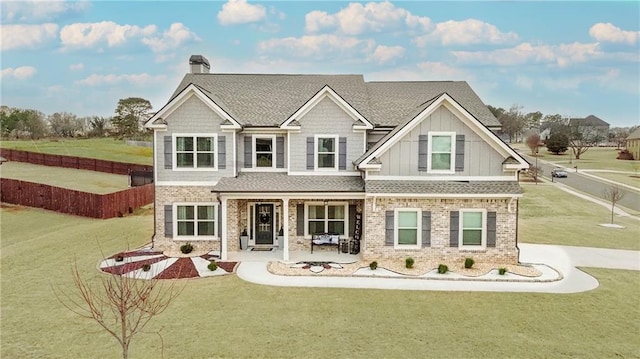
182, 268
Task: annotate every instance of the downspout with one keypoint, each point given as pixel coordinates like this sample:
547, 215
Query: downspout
155, 204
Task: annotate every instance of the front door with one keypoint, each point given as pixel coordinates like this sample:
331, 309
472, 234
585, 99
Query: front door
264, 224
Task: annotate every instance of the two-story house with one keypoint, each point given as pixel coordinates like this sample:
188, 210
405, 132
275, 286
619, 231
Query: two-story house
284, 157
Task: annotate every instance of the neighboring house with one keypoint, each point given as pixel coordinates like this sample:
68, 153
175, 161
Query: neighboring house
411, 168
633, 144
591, 125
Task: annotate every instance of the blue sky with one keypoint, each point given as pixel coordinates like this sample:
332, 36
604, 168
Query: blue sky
571, 58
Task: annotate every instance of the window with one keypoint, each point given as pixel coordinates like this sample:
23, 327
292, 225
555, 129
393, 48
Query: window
472, 230
196, 220
441, 152
326, 218
264, 151
195, 151
326, 152
407, 227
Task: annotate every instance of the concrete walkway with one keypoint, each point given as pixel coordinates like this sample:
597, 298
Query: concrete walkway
563, 259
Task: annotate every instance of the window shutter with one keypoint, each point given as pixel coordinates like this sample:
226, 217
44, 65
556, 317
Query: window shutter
280, 152
423, 152
388, 225
300, 220
310, 145
219, 221
426, 229
491, 229
248, 151
168, 153
342, 155
352, 220
168, 221
222, 152
459, 152
454, 228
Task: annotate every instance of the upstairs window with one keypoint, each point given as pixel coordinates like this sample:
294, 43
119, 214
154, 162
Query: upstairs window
326, 152
441, 152
264, 151
195, 151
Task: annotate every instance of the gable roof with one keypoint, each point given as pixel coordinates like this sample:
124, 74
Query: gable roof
590, 120
268, 100
634, 135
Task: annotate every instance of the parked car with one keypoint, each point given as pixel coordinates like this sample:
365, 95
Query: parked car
559, 173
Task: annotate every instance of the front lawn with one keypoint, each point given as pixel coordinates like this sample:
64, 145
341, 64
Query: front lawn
596, 158
229, 318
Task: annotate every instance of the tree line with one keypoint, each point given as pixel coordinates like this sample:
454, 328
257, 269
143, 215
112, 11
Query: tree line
130, 114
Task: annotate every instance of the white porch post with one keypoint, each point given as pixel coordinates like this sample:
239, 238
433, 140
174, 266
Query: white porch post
285, 228
223, 223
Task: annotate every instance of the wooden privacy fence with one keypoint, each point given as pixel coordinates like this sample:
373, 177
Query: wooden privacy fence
75, 202
45, 159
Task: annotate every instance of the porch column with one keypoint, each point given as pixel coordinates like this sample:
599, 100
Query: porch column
285, 228
223, 223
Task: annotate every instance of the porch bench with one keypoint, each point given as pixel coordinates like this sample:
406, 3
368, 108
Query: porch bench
325, 239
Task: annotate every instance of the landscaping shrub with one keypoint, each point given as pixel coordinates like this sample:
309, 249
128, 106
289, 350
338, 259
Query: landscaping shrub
409, 262
146, 267
212, 266
186, 248
625, 155
468, 262
373, 265
502, 271
442, 269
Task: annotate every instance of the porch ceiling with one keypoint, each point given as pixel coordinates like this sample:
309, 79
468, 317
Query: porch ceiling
280, 182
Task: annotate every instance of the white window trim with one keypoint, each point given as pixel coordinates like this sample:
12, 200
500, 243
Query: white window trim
316, 152
452, 168
483, 244
326, 219
195, 237
255, 154
418, 244
174, 151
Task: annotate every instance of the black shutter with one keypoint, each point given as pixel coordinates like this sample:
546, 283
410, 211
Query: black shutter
459, 152
280, 152
342, 153
491, 229
222, 152
423, 152
168, 153
310, 145
248, 151
220, 221
388, 226
426, 229
168, 221
454, 229
300, 220
352, 220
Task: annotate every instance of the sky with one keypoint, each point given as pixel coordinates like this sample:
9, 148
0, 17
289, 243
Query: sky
570, 58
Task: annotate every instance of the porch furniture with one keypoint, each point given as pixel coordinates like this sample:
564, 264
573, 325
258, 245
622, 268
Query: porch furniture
325, 239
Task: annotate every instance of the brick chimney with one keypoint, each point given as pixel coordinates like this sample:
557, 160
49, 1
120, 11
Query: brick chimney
199, 64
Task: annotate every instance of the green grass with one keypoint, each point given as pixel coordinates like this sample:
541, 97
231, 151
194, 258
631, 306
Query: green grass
596, 158
628, 179
229, 318
549, 215
79, 180
101, 148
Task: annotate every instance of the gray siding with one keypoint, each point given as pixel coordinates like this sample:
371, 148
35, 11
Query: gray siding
325, 118
241, 149
193, 117
479, 158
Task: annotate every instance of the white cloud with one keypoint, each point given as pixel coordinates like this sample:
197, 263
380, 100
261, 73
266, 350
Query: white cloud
610, 33
240, 12
561, 55
466, 32
76, 67
112, 79
39, 10
176, 35
384, 54
318, 46
442, 71
356, 19
26, 36
20, 73
424, 71
87, 35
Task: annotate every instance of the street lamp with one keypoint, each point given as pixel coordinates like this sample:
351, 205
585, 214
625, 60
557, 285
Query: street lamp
537, 169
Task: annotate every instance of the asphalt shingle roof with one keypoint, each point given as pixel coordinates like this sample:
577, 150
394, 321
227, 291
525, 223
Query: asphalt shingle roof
590, 120
444, 187
281, 182
635, 134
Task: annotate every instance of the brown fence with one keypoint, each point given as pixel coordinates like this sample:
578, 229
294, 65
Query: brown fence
74, 202
45, 159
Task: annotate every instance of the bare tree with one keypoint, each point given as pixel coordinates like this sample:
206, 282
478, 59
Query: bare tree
121, 305
533, 142
613, 194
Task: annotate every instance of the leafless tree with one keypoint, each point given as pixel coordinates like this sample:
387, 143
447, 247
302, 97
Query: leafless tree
613, 194
533, 142
121, 305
